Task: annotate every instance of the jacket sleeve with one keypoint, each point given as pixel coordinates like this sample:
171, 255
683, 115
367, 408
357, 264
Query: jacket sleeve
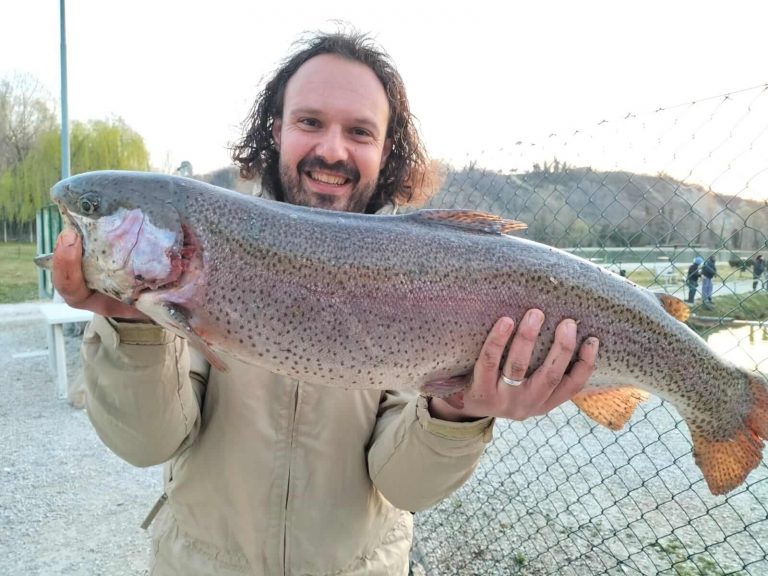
143, 395
416, 460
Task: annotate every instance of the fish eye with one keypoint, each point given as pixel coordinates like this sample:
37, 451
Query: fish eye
89, 205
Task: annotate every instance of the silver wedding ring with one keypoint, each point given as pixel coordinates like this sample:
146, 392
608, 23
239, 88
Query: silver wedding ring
509, 381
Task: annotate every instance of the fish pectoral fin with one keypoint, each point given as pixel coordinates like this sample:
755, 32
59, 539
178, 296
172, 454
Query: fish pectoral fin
674, 307
444, 387
177, 318
612, 407
469, 220
726, 462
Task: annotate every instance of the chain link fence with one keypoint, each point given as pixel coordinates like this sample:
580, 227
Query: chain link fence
642, 195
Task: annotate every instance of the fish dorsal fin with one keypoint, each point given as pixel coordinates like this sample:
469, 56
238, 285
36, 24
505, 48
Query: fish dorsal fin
469, 220
611, 407
674, 306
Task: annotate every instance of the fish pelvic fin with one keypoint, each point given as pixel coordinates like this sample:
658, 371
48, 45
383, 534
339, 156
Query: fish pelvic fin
674, 306
444, 387
177, 318
613, 407
726, 462
470, 220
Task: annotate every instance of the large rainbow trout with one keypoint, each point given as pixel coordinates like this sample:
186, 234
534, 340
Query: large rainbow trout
361, 301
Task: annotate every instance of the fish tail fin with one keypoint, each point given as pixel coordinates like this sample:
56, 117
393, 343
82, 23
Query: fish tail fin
611, 407
726, 462
757, 420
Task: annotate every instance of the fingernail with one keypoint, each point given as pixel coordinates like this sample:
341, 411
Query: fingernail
534, 318
68, 236
570, 328
506, 326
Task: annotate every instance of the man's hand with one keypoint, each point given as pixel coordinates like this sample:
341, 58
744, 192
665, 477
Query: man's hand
548, 387
69, 282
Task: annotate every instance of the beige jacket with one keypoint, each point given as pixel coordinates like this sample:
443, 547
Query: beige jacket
267, 475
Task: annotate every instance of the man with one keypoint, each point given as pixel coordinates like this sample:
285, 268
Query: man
758, 267
692, 278
708, 272
266, 475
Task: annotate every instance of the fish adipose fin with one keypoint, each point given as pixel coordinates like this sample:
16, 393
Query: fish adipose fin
726, 462
674, 306
613, 407
469, 220
178, 319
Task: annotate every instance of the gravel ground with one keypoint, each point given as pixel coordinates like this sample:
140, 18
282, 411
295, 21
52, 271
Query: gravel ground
68, 505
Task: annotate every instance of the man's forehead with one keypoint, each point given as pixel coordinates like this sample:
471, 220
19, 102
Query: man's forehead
330, 79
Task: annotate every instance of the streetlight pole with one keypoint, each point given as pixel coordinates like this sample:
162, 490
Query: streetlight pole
64, 104
48, 219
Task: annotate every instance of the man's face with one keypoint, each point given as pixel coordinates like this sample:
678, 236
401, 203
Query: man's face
332, 136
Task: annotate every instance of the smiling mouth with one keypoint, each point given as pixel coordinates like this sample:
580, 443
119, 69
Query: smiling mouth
326, 178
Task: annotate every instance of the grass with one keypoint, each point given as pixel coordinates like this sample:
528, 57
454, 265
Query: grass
747, 306
18, 273
750, 306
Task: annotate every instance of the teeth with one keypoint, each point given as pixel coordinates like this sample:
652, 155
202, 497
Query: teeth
328, 178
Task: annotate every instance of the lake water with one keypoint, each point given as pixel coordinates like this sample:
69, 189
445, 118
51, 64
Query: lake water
746, 346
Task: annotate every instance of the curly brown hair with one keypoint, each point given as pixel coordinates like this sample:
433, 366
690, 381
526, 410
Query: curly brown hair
406, 174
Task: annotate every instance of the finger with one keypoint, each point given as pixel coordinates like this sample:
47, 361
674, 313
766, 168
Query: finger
67, 275
578, 376
519, 357
558, 358
486, 373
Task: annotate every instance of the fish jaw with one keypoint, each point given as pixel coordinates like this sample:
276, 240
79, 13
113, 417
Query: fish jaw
125, 254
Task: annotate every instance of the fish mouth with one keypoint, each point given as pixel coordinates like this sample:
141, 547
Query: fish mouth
68, 221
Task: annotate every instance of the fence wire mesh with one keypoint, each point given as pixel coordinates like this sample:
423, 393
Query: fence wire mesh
642, 195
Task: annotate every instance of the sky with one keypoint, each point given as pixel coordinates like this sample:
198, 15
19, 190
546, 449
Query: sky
481, 75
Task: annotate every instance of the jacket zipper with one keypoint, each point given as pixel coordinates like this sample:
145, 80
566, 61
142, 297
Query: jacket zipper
288, 483
154, 511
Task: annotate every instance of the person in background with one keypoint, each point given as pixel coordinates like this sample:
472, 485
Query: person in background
708, 272
269, 475
758, 267
692, 278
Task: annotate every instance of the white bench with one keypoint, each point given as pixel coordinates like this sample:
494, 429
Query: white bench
56, 315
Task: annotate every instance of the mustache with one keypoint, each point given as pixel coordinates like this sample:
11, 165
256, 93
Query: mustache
340, 167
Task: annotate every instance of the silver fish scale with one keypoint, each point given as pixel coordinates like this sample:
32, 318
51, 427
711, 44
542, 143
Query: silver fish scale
389, 302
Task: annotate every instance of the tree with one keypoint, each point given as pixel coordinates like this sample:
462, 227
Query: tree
25, 115
95, 145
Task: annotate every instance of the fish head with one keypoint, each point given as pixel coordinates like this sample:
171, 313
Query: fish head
131, 230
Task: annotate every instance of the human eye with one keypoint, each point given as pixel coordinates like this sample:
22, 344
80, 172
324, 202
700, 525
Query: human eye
309, 122
361, 133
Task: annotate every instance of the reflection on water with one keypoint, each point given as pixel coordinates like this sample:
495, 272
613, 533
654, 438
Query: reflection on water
745, 346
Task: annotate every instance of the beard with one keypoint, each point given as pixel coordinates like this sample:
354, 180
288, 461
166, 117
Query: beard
296, 192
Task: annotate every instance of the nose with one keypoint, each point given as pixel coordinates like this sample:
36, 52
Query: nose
332, 147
